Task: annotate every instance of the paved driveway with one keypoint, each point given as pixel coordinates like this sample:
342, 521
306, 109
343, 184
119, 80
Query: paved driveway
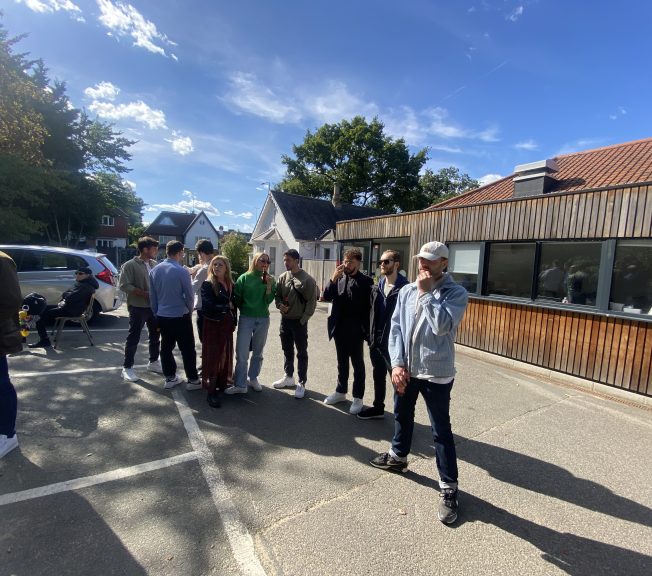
127, 478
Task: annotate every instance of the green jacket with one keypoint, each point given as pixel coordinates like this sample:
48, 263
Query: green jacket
135, 274
250, 295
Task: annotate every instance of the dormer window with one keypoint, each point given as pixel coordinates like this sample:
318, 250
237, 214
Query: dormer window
108, 221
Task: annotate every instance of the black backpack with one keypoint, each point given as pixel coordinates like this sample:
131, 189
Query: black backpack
35, 303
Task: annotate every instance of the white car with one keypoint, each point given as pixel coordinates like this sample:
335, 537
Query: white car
50, 271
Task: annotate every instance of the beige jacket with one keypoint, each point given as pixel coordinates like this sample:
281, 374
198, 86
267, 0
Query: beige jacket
135, 274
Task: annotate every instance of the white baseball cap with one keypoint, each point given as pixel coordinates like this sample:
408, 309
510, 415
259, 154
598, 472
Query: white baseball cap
433, 251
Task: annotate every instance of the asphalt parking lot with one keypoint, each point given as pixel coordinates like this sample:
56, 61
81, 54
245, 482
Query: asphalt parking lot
113, 477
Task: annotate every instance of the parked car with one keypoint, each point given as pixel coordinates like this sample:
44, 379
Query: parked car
49, 270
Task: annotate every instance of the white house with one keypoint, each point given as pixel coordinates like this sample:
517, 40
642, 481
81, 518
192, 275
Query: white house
188, 228
305, 224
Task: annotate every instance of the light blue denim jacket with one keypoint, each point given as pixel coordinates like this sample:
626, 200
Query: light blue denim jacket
442, 311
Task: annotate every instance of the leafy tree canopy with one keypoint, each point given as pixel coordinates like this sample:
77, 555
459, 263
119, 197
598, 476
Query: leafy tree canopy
59, 169
235, 248
371, 168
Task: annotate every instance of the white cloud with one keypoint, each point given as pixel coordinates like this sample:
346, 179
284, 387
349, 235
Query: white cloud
337, 103
130, 183
102, 91
181, 144
579, 145
245, 215
439, 126
444, 148
185, 206
515, 14
49, 6
620, 112
138, 111
488, 135
250, 95
124, 20
488, 179
526, 145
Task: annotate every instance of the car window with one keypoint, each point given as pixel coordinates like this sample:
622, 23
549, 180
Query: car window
108, 264
16, 255
75, 262
30, 261
54, 261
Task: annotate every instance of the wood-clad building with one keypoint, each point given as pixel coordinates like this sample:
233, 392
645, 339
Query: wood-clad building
557, 259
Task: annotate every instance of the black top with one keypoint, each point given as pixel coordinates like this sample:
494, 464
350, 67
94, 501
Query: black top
350, 296
215, 306
77, 298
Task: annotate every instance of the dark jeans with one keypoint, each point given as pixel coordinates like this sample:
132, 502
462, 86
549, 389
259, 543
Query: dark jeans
48, 316
349, 345
8, 401
380, 371
138, 317
437, 397
292, 334
178, 331
200, 325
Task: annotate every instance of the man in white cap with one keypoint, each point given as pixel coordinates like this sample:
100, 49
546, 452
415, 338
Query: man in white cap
422, 355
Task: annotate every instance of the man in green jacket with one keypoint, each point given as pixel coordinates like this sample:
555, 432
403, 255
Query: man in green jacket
296, 299
134, 282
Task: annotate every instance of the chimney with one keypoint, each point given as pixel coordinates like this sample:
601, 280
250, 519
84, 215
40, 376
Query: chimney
337, 196
534, 179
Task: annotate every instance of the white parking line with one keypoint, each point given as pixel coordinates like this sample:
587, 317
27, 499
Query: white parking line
242, 544
15, 374
87, 481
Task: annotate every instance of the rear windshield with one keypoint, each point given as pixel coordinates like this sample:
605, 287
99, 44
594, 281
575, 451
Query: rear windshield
104, 260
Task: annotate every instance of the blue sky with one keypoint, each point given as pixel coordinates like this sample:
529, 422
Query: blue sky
216, 91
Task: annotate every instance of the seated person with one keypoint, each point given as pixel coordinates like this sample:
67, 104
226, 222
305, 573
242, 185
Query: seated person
73, 303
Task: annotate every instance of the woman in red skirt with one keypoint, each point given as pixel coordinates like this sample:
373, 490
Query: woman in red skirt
219, 324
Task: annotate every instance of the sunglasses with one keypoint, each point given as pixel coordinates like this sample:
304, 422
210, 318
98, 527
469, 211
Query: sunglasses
80, 273
386, 262
263, 261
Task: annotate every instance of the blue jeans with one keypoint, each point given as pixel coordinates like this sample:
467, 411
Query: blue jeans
8, 401
437, 397
251, 332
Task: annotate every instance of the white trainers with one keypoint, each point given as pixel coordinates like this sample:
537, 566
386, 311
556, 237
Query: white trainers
236, 390
356, 406
257, 386
300, 390
155, 367
172, 382
193, 385
285, 382
335, 398
129, 375
7, 444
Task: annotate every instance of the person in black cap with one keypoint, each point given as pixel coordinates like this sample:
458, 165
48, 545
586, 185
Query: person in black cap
73, 303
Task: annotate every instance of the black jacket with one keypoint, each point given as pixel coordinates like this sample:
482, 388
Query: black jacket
215, 306
77, 298
350, 296
380, 317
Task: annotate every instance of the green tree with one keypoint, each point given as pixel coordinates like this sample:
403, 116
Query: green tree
135, 232
235, 248
371, 168
446, 183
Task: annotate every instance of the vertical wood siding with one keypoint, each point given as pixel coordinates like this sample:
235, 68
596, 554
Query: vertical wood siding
614, 351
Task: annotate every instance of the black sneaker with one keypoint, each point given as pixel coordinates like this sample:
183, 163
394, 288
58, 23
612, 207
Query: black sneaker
386, 462
214, 400
371, 413
42, 343
447, 511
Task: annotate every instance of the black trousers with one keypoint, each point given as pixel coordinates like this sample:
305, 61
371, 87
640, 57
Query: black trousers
48, 316
292, 334
200, 324
349, 346
138, 317
178, 331
380, 363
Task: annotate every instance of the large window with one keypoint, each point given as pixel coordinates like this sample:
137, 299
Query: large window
108, 221
568, 272
631, 283
464, 265
510, 269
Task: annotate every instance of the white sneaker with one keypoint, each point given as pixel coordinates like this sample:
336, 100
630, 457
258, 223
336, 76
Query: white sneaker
335, 398
155, 367
172, 382
129, 375
7, 444
300, 390
285, 382
257, 386
193, 385
356, 406
236, 390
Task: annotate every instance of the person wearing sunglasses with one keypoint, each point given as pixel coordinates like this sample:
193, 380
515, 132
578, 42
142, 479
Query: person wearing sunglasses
253, 293
383, 302
73, 302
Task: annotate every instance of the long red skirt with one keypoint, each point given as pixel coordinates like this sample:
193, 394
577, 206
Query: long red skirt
217, 353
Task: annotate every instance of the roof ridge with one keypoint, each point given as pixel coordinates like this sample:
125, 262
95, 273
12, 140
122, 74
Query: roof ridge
610, 146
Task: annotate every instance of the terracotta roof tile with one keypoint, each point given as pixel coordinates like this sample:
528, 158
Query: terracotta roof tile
615, 165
